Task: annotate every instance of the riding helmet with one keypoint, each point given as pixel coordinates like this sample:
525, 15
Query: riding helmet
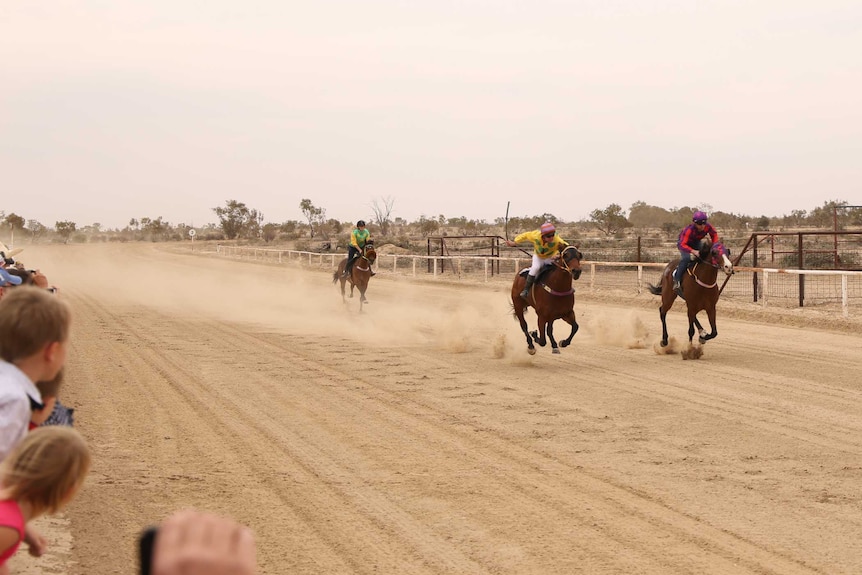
547, 228
699, 216
360, 223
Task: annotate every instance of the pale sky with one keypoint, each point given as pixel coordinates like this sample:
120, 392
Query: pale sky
112, 110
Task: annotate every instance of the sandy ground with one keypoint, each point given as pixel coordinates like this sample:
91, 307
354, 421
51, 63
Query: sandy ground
420, 438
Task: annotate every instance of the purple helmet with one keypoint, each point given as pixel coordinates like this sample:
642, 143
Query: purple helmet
699, 217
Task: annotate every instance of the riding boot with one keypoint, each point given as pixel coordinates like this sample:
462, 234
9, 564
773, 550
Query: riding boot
526, 292
677, 286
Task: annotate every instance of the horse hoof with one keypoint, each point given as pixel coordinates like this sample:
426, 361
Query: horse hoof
564, 343
664, 343
556, 351
531, 350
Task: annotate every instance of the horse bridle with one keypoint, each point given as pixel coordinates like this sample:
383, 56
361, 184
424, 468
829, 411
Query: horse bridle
561, 261
365, 257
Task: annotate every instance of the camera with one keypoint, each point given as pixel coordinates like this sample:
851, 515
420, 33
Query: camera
146, 543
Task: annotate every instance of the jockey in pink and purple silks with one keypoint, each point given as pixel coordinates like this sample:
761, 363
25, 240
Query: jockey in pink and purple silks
689, 243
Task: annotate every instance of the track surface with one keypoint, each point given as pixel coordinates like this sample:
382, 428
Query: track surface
420, 438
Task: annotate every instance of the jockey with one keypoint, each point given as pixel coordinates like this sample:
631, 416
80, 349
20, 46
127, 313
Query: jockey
546, 244
689, 244
358, 238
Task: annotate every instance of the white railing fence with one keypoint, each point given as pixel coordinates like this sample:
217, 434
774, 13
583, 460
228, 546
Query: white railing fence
771, 286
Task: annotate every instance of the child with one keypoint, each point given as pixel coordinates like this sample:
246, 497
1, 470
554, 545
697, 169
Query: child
34, 334
40, 476
49, 391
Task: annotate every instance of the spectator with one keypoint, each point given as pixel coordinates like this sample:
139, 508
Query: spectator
195, 543
39, 477
49, 390
34, 334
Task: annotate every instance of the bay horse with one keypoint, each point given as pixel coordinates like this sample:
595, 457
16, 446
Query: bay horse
360, 273
553, 298
699, 288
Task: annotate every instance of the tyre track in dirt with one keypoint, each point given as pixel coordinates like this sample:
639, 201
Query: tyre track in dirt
309, 465
530, 461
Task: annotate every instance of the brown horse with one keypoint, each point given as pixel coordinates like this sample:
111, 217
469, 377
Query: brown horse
552, 296
360, 273
699, 288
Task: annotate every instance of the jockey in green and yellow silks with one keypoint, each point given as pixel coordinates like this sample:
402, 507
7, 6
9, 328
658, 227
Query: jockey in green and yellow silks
546, 244
358, 238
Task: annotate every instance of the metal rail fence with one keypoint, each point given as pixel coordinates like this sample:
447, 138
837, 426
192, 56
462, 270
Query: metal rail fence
766, 286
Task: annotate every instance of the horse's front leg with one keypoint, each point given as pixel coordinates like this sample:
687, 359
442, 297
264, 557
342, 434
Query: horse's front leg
663, 314
539, 335
692, 322
554, 348
704, 337
570, 319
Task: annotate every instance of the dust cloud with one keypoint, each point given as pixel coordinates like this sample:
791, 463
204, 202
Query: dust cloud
277, 297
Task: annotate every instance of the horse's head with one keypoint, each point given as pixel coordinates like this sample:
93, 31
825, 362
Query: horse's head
715, 255
369, 252
571, 259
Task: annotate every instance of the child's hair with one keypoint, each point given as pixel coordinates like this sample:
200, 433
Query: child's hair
51, 388
46, 468
30, 319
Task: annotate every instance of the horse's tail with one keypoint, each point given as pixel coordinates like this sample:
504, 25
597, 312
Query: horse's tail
335, 275
654, 290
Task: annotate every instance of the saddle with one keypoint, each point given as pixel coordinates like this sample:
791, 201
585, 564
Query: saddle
542, 272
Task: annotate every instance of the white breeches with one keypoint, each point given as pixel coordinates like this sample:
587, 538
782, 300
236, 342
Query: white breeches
538, 264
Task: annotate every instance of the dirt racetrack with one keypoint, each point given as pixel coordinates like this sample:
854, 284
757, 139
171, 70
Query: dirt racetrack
420, 438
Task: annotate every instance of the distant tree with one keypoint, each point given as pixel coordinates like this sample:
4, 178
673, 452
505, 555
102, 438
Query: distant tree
645, 216
156, 229
762, 224
609, 220
65, 230
237, 220
14, 222
269, 232
315, 216
822, 217
36, 229
383, 213
428, 226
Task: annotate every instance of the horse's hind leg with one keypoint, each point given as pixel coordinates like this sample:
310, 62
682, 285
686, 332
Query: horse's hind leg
570, 319
519, 313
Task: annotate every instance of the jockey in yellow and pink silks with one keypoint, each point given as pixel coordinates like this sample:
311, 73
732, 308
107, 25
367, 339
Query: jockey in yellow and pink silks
546, 245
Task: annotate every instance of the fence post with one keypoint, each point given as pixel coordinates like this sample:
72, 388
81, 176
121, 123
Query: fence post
486, 270
845, 299
765, 285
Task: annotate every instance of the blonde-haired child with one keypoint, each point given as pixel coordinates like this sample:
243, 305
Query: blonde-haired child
34, 338
39, 477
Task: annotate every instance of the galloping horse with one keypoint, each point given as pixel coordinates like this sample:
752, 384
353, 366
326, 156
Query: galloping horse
552, 296
699, 288
360, 273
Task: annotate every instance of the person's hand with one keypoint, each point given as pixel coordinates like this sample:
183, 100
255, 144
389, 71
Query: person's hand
195, 543
36, 543
510, 243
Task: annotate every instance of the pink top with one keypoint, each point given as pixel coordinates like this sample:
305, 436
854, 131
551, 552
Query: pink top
11, 516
